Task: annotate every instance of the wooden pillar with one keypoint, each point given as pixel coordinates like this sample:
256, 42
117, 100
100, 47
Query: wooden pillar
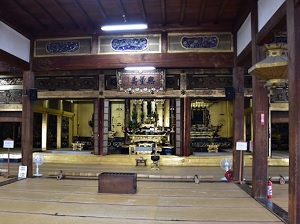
45, 117
293, 34
59, 119
164, 42
27, 122
238, 122
101, 125
96, 127
182, 142
185, 124
260, 120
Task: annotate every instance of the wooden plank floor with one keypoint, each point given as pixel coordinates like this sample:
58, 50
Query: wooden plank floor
176, 199
44, 200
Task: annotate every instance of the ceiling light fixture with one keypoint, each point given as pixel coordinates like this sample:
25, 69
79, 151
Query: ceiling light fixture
140, 68
141, 26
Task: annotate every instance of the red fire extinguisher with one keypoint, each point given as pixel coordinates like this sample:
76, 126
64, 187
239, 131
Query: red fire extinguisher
270, 189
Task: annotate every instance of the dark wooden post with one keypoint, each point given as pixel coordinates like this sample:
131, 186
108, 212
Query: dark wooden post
293, 34
238, 122
260, 120
96, 127
27, 122
101, 125
187, 125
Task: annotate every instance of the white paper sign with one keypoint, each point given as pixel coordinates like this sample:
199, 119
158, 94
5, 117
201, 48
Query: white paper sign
9, 144
22, 172
241, 145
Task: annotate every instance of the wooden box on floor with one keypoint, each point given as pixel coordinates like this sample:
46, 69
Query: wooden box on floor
118, 183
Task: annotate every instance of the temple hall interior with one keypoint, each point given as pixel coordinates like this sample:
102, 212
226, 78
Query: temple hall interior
153, 86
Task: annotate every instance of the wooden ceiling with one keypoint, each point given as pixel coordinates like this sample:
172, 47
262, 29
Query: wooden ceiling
67, 18
57, 18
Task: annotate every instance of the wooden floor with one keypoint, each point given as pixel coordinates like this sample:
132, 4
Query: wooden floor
168, 195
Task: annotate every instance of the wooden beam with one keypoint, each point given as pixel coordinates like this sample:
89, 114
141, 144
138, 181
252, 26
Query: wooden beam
244, 58
182, 11
260, 120
238, 118
187, 126
220, 10
201, 12
76, 25
293, 23
142, 9
27, 123
13, 60
163, 12
242, 15
102, 11
37, 20
48, 13
117, 61
100, 125
238, 122
79, 5
10, 119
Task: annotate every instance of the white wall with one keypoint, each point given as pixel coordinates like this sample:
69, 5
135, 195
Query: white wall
244, 35
14, 43
266, 9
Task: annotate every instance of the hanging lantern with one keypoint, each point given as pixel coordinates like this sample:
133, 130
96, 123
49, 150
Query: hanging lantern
274, 68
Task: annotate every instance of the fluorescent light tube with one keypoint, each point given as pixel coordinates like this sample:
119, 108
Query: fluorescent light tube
141, 26
141, 68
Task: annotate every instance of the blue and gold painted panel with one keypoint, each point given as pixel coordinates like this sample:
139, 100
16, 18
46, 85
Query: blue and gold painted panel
129, 44
61, 47
200, 42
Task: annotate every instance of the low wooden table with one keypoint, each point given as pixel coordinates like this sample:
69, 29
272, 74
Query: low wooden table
118, 183
140, 160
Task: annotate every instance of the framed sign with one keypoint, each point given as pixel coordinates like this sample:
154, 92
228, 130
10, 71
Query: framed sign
22, 174
143, 81
8, 143
241, 145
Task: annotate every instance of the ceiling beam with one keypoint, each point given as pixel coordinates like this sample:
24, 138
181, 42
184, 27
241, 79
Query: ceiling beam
76, 25
220, 10
142, 8
201, 12
241, 16
48, 13
124, 14
37, 20
78, 4
163, 13
102, 11
182, 12
117, 61
14, 61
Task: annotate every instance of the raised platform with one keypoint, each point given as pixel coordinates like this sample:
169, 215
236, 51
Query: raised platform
13, 158
70, 151
209, 159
